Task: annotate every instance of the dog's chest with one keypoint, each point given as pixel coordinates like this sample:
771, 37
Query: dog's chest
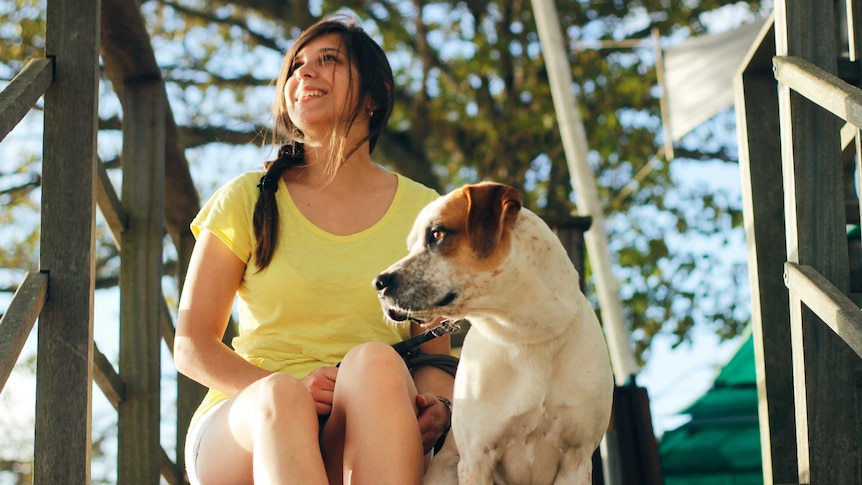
527, 449
499, 387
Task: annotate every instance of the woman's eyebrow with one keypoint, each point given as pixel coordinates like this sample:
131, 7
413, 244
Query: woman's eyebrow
322, 50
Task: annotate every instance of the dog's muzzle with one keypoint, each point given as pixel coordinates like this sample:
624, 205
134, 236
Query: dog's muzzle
401, 303
385, 283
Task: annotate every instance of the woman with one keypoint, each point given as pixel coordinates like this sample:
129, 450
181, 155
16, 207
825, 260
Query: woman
299, 245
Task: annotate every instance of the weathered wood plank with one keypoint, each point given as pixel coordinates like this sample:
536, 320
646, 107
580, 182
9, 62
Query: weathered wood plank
128, 54
827, 90
138, 460
18, 321
109, 204
828, 448
168, 329
23, 91
832, 306
107, 378
63, 441
171, 472
763, 213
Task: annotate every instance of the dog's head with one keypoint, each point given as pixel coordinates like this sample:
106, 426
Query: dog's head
458, 245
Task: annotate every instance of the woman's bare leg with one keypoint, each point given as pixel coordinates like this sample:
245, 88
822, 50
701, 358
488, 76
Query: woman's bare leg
266, 434
372, 435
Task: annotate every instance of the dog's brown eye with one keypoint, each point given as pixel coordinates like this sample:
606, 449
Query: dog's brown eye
437, 236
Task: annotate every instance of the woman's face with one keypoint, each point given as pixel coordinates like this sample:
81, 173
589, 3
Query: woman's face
317, 91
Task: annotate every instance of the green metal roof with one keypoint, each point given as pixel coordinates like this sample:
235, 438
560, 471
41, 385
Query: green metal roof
720, 445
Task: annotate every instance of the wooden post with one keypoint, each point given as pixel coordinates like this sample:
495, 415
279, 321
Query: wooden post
828, 444
139, 457
763, 213
571, 233
65, 337
584, 182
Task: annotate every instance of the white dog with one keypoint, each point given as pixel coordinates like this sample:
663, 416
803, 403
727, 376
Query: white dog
534, 386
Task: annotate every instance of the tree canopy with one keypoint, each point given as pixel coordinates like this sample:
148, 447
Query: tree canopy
473, 103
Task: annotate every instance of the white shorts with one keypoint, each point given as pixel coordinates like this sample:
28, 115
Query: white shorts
193, 443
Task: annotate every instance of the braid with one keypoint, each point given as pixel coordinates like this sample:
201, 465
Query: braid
265, 218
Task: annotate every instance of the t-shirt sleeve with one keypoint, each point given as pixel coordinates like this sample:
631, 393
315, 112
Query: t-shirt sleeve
228, 215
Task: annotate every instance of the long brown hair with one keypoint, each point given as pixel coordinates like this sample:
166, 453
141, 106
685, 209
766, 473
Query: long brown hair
375, 84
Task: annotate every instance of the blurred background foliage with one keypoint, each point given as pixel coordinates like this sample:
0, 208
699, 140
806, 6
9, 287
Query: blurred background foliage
473, 103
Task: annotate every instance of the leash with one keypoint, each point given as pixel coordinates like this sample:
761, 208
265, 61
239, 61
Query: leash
406, 346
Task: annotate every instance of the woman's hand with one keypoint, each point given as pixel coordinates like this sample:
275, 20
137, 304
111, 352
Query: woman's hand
321, 384
434, 419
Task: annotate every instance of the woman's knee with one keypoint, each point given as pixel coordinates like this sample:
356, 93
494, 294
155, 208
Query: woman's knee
373, 355
277, 396
372, 365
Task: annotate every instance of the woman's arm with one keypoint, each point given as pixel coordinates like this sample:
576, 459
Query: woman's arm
214, 275
433, 383
429, 378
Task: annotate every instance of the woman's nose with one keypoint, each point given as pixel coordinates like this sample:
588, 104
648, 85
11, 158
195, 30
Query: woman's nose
304, 71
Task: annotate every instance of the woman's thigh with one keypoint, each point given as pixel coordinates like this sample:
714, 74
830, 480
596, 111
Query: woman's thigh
373, 415
225, 454
220, 456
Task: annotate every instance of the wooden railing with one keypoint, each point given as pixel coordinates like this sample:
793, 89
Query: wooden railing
833, 307
61, 294
16, 100
18, 321
794, 152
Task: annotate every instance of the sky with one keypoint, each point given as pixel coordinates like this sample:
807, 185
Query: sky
673, 377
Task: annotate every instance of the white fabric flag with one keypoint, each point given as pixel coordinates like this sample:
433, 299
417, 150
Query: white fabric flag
699, 74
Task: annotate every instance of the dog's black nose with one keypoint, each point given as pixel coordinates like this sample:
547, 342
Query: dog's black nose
383, 281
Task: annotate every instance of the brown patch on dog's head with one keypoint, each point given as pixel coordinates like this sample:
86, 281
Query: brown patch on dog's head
491, 208
458, 247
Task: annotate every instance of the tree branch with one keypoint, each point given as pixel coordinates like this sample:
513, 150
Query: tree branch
257, 37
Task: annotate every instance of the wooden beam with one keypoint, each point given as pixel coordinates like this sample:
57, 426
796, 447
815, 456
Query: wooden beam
832, 306
168, 329
19, 96
827, 90
763, 215
140, 281
18, 321
828, 442
172, 472
109, 204
127, 53
108, 379
63, 438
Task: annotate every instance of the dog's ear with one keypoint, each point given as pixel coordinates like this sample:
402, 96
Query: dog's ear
490, 208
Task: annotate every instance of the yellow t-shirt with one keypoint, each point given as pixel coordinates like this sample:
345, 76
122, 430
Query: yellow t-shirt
315, 300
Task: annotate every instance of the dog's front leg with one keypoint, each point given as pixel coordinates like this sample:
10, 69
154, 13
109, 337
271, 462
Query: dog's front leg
576, 468
476, 472
443, 469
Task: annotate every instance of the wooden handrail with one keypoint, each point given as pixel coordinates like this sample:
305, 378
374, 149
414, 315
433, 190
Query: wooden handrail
18, 321
827, 302
169, 331
170, 470
23, 91
825, 89
107, 378
110, 205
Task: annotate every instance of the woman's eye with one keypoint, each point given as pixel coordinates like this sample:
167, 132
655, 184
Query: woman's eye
325, 58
